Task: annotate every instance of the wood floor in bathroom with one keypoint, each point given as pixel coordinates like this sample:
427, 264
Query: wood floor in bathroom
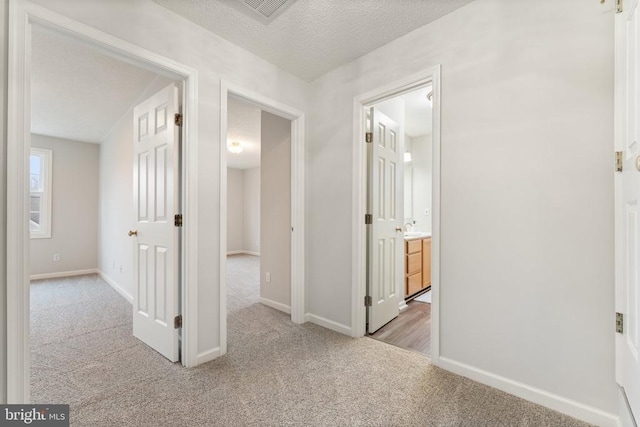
411, 330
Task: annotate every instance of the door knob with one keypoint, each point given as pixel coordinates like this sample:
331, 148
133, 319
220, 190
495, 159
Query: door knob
133, 233
398, 229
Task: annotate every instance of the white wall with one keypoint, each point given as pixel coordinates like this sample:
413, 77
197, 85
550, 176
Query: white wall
275, 209
116, 217
251, 208
235, 210
422, 160
153, 27
527, 189
4, 20
74, 208
243, 210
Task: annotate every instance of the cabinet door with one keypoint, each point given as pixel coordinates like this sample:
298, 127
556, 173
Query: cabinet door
426, 262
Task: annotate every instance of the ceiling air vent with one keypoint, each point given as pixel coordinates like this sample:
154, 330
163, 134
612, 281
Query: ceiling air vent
267, 9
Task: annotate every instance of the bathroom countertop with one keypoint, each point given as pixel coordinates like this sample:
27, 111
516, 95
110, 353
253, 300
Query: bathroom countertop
421, 236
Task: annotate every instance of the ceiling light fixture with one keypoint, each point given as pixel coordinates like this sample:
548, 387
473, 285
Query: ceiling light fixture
235, 147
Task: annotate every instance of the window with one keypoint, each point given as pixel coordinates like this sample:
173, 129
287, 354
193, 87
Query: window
40, 168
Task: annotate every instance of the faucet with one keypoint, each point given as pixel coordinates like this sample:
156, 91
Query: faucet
408, 226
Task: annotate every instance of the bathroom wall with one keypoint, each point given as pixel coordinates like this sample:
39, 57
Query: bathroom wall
422, 165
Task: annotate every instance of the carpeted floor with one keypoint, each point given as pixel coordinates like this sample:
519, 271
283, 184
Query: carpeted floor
276, 373
243, 281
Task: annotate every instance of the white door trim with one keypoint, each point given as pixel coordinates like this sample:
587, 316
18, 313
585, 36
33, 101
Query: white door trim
21, 15
359, 251
297, 199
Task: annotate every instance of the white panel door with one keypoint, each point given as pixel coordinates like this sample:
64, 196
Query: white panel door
628, 288
386, 238
156, 186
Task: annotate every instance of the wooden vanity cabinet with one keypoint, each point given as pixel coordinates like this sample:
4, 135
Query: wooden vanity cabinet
417, 265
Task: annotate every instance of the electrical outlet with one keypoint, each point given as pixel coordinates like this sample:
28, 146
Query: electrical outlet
268, 277
56, 257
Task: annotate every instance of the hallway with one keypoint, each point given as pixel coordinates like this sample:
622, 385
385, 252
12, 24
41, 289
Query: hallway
275, 373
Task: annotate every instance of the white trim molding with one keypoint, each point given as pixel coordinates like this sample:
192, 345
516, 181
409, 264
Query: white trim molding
209, 355
21, 15
119, 289
59, 274
329, 324
532, 394
297, 118
359, 207
276, 305
243, 253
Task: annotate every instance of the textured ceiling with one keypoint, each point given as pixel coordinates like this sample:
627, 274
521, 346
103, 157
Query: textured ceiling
243, 126
311, 37
78, 92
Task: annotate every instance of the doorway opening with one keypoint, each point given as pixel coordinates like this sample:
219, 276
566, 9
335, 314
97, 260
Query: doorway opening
409, 325
90, 160
262, 214
396, 261
56, 219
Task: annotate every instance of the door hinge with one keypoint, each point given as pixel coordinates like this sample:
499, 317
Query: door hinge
619, 323
177, 220
618, 161
368, 301
178, 119
618, 6
368, 219
177, 322
368, 137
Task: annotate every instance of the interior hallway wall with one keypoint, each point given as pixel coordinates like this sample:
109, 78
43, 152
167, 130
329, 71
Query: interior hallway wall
275, 210
235, 210
251, 212
74, 208
527, 137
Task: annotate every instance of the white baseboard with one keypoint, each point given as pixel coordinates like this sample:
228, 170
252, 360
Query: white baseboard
276, 305
329, 324
403, 305
561, 404
63, 274
626, 416
117, 287
208, 356
243, 252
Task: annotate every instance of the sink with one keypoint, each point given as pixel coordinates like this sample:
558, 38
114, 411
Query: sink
413, 233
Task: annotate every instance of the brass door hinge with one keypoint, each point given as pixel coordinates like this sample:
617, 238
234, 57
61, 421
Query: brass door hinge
618, 6
177, 220
368, 219
368, 137
178, 119
618, 161
368, 301
177, 322
619, 323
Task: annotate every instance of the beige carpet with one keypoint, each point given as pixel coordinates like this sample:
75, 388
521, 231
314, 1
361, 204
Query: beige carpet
275, 374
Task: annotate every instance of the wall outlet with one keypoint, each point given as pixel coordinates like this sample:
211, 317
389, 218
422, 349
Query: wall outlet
56, 257
268, 277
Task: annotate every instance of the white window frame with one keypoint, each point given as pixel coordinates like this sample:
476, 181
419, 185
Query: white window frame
45, 202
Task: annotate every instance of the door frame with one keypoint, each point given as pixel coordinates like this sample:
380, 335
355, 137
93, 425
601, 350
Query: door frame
21, 15
359, 207
297, 118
